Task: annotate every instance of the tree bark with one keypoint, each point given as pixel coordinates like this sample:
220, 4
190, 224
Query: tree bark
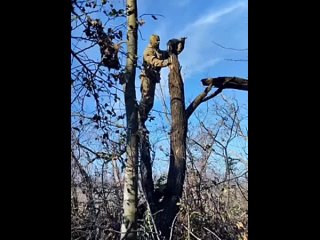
129, 225
220, 83
178, 135
227, 82
146, 171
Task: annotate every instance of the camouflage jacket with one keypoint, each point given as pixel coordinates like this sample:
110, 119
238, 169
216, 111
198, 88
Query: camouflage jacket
153, 60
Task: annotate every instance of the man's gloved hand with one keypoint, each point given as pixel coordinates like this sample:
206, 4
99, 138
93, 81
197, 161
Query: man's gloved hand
168, 61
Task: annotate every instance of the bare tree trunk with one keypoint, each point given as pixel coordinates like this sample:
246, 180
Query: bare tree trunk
116, 173
74, 198
178, 135
146, 171
128, 226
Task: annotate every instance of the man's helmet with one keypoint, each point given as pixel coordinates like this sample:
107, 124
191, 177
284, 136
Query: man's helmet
155, 40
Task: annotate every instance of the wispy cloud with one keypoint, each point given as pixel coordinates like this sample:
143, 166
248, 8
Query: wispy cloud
182, 3
199, 54
213, 17
213, 22
209, 63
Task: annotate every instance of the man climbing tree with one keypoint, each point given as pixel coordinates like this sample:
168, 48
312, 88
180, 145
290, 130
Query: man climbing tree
153, 60
166, 209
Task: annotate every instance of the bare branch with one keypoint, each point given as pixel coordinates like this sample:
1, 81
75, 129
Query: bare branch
227, 82
200, 99
236, 60
212, 95
191, 232
151, 14
235, 49
212, 233
172, 225
84, 49
81, 62
220, 83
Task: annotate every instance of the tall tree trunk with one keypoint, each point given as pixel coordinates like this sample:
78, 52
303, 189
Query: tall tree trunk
128, 226
178, 135
146, 171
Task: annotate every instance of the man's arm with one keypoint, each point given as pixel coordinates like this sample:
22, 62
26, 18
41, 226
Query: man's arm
152, 59
164, 54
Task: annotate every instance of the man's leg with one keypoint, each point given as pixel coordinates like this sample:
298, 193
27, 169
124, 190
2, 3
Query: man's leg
147, 97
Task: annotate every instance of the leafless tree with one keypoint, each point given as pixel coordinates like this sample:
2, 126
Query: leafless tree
107, 147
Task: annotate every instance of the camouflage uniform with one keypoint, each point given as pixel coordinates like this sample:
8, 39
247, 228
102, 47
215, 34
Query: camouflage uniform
153, 60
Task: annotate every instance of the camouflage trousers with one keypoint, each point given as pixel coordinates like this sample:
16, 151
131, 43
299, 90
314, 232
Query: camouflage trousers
147, 89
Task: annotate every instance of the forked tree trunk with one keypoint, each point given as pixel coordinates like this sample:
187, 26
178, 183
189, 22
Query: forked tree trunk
177, 168
129, 225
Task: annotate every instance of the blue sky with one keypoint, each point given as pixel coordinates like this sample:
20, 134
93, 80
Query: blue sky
224, 22
204, 23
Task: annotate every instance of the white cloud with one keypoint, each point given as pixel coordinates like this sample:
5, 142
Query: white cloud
199, 53
200, 56
213, 17
188, 72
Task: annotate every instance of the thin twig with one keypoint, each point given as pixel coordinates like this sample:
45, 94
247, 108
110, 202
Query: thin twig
212, 233
151, 14
86, 48
149, 209
192, 233
154, 224
172, 225
236, 60
235, 49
